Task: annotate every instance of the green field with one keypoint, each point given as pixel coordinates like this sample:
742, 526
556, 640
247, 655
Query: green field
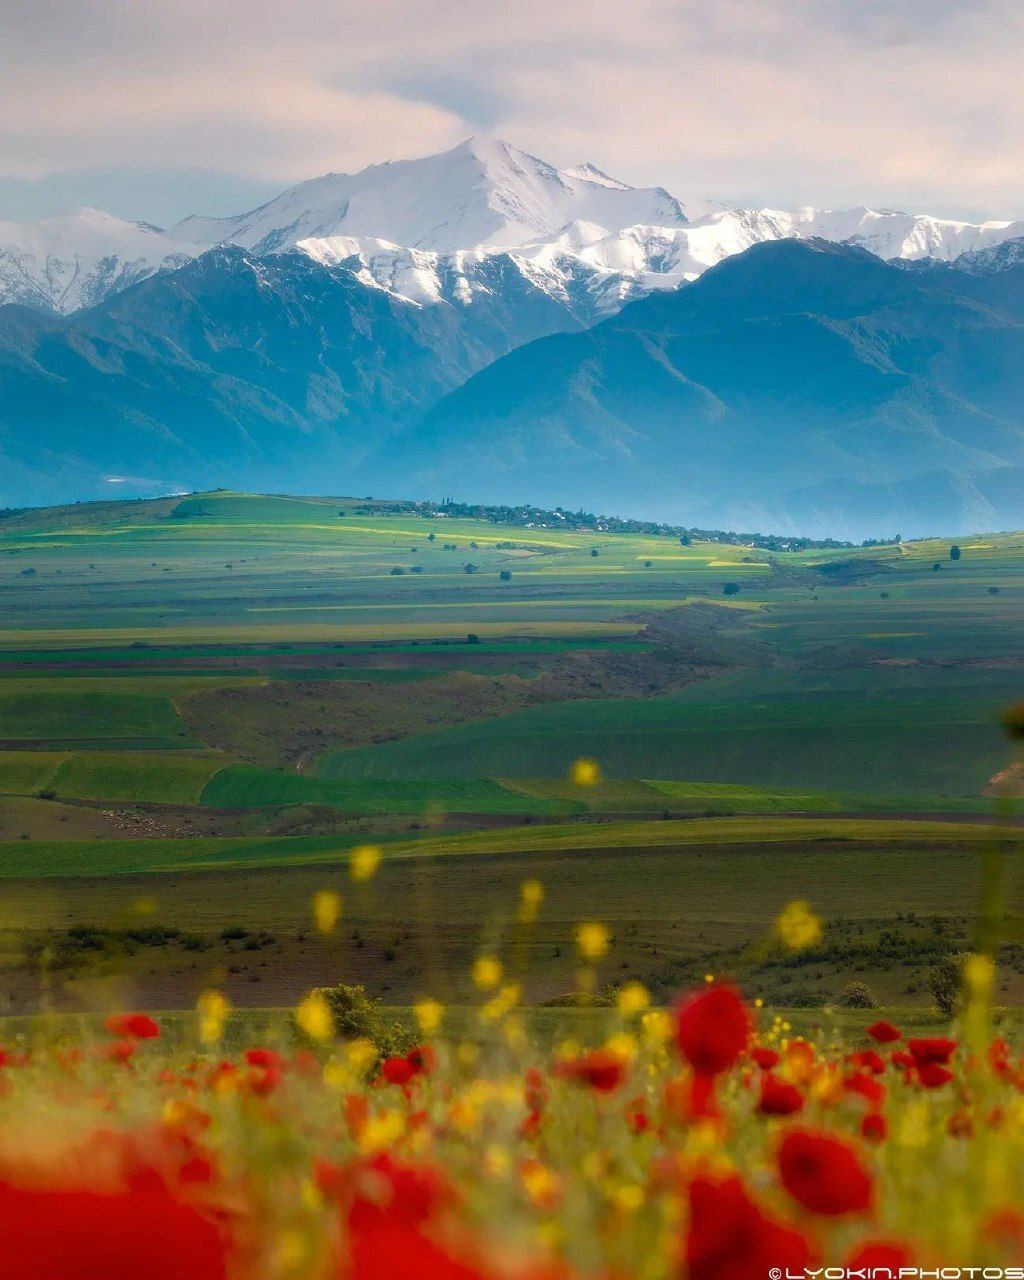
241, 786
210, 699
888, 731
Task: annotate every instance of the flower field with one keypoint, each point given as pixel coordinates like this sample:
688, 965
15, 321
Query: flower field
705, 1141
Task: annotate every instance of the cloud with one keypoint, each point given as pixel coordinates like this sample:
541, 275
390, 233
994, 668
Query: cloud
830, 101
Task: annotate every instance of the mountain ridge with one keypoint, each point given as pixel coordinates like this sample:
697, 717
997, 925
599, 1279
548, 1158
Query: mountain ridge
782, 389
577, 231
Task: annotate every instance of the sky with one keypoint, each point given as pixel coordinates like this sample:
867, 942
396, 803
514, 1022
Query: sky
153, 109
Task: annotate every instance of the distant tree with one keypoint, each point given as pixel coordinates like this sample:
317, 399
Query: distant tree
684, 539
954, 552
730, 588
594, 551
472, 638
993, 591
898, 539
946, 980
431, 537
505, 575
28, 573
936, 567
417, 568
883, 595
469, 568
475, 546
341, 513
397, 572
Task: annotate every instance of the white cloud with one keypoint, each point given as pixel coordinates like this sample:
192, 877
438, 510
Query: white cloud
914, 105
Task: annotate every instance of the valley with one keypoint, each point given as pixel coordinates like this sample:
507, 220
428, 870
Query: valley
207, 703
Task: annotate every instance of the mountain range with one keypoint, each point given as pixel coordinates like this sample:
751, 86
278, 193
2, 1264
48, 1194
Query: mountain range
484, 324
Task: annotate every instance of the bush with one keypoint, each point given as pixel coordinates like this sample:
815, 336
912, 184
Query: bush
505, 575
356, 1016
730, 588
857, 995
946, 980
954, 552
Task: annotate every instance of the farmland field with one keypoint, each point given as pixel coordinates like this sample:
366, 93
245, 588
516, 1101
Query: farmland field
206, 703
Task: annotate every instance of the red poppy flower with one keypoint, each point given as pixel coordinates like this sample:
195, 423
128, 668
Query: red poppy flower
712, 1029
83, 1235
823, 1173
730, 1238
901, 1059
422, 1059
778, 1098
396, 1191
880, 1257
934, 1049
866, 1086
393, 1250
764, 1057
265, 1058
884, 1032
933, 1076
601, 1069
998, 1056
868, 1060
397, 1070
132, 1026
874, 1127
118, 1051
637, 1117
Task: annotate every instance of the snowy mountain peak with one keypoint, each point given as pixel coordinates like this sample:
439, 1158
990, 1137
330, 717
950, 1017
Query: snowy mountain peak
74, 259
413, 226
482, 193
588, 172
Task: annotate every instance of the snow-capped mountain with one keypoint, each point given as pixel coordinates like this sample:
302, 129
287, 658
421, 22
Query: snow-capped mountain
483, 193
73, 260
442, 229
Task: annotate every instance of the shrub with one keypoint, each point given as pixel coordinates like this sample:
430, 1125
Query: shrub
857, 995
505, 575
946, 980
954, 552
730, 588
356, 1016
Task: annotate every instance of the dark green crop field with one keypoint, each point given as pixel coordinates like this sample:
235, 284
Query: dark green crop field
207, 701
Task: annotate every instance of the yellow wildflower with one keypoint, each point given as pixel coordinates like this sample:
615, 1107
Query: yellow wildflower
364, 861
798, 926
314, 1017
592, 940
586, 773
326, 909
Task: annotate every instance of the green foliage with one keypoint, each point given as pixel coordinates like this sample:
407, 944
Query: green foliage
955, 552
857, 995
356, 1016
946, 983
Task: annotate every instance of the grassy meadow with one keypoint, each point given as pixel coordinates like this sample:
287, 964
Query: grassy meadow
207, 702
